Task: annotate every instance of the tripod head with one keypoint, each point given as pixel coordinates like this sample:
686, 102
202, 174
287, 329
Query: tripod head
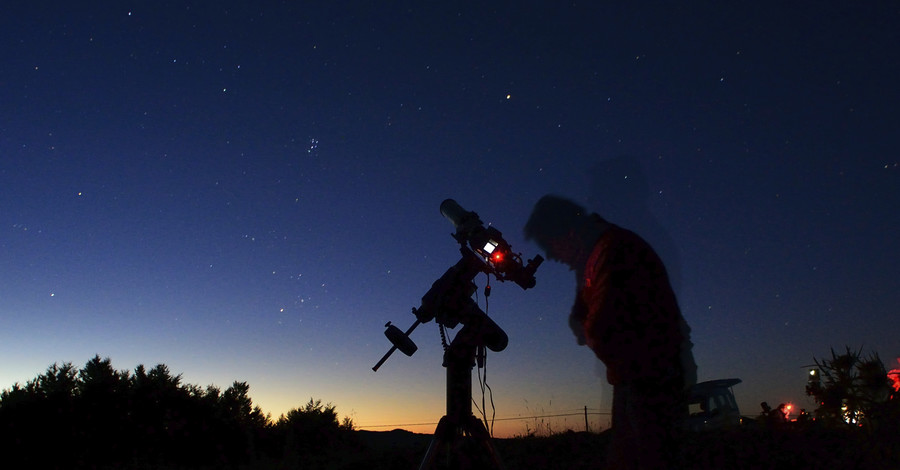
449, 301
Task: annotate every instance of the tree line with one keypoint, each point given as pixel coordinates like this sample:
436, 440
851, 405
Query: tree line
98, 417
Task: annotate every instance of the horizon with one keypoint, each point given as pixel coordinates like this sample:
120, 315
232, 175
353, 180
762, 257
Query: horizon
540, 422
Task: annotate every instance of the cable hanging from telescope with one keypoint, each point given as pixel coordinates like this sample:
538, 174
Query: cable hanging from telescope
487, 293
482, 382
482, 378
444, 343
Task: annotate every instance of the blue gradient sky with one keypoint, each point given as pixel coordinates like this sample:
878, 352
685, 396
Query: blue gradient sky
250, 192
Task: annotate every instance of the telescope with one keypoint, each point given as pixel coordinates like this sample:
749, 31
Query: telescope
449, 303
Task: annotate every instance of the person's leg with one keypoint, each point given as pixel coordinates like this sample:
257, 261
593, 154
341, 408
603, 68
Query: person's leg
624, 446
654, 411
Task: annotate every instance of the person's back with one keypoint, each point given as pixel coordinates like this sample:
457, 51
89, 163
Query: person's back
632, 320
626, 312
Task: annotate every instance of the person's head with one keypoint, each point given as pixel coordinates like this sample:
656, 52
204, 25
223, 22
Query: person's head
562, 228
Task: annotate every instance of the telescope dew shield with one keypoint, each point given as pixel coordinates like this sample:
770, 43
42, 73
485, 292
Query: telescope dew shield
455, 213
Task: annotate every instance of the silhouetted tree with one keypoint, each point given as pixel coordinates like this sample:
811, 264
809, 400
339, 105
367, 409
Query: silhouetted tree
59, 382
241, 425
19, 427
154, 413
312, 434
42, 411
851, 389
102, 411
236, 403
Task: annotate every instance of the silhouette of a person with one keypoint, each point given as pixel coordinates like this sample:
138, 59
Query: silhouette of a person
626, 312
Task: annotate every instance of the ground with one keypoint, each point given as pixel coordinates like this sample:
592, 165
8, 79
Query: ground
750, 448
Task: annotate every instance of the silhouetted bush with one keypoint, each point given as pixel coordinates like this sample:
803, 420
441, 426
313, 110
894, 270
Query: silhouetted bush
855, 390
311, 437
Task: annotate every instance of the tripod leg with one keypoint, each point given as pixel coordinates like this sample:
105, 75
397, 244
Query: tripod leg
443, 438
464, 445
479, 435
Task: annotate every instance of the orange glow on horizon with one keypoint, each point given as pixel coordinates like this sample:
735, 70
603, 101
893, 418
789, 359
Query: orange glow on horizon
502, 429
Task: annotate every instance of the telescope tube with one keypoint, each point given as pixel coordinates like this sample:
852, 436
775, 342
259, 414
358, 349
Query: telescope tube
456, 214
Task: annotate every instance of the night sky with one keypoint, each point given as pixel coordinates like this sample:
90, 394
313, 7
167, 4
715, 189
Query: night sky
250, 191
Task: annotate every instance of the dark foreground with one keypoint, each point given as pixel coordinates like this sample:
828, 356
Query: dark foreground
745, 448
789, 448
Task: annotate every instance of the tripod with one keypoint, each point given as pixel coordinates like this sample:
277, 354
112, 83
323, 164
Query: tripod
460, 441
